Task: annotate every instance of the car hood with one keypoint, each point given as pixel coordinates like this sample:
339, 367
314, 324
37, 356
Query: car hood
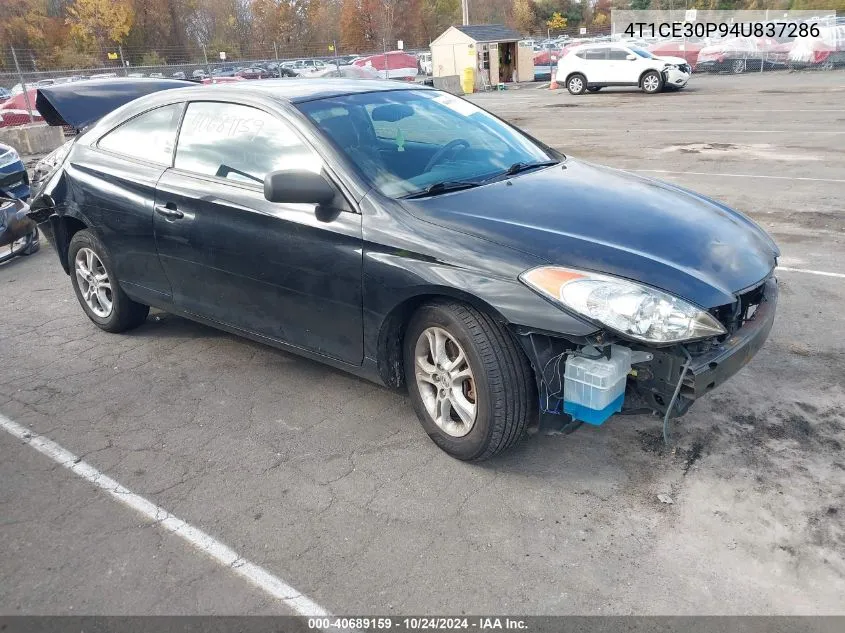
80, 103
601, 219
671, 60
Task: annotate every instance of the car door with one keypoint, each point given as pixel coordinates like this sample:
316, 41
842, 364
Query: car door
595, 65
129, 159
620, 69
287, 272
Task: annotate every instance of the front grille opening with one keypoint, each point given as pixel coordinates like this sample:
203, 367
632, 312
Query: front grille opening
734, 315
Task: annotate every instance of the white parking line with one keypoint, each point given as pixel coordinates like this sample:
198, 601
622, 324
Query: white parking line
721, 175
221, 553
812, 272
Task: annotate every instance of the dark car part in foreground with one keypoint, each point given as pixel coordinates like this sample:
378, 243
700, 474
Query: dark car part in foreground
408, 236
14, 180
18, 232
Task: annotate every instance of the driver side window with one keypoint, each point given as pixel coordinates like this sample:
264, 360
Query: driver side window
239, 143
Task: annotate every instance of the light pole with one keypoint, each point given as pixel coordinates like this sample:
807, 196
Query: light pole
465, 11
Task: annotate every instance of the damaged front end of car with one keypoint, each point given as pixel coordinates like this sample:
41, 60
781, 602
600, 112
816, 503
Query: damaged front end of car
653, 354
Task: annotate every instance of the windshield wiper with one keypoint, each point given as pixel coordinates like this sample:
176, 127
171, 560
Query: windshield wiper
442, 187
520, 167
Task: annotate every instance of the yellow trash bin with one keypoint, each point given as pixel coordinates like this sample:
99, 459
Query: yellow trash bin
468, 80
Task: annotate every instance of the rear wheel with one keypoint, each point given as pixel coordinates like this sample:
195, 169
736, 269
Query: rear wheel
471, 386
652, 82
576, 84
96, 287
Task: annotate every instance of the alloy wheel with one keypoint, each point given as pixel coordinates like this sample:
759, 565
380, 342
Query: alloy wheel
94, 284
651, 83
738, 66
576, 85
445, 381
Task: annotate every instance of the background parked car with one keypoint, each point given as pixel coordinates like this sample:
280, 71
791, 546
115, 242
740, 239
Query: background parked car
255, 72
740, 54
221, 80
224, 71
14, 111
13, 177
199, 73
391, 65
348, 72
824, 52
686, 49
345, 60
4, 94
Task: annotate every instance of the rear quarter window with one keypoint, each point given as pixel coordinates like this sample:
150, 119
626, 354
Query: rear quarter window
149, 137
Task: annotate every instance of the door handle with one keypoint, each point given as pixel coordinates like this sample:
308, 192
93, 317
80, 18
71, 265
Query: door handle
170, 214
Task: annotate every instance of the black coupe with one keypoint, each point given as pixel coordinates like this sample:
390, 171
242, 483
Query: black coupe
408, 236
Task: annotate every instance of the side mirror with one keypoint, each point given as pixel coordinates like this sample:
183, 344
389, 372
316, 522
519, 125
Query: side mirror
297, 186
631, 57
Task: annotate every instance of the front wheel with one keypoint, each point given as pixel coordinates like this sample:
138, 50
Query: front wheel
652, 82
97, 288
471, 386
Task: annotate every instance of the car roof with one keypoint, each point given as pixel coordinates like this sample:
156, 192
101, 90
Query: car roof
302, 90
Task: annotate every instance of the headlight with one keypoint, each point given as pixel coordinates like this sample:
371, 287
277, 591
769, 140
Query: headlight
626, 307
9, 157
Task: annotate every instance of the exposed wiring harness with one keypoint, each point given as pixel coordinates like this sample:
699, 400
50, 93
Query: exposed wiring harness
675, 395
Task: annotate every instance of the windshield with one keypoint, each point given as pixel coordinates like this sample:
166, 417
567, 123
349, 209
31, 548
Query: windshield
642, 52
405, 141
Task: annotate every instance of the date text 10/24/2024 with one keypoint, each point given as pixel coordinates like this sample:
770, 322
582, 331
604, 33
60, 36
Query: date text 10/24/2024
422, 623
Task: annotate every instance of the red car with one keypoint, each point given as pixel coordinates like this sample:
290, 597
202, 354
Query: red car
678, 48
391, 65
14, 111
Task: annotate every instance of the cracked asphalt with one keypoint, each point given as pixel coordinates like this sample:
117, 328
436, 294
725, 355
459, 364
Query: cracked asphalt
330, 483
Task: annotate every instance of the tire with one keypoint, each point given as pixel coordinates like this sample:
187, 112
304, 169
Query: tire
651, 82
500, 386
124, 314
576, 84
737, 66
594, 89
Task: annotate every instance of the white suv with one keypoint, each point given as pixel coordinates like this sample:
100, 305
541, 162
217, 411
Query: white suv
591, 67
